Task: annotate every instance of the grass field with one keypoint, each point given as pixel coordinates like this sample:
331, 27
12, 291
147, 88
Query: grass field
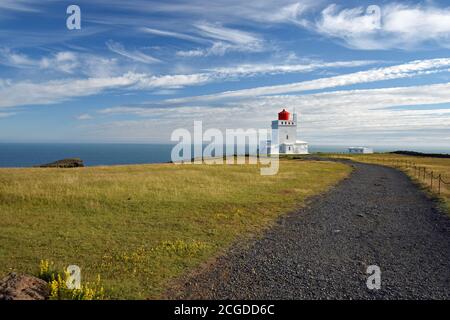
140, 227
437, 165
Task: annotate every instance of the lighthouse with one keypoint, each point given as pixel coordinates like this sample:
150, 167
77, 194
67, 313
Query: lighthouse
284, 135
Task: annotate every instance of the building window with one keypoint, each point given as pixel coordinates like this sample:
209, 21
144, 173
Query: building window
287, 137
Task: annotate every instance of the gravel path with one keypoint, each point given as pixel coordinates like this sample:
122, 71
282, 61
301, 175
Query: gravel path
375, 217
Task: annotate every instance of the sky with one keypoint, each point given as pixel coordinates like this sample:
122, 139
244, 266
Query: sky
373, 73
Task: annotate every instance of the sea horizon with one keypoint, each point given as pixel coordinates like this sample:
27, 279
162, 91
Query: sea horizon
28, 154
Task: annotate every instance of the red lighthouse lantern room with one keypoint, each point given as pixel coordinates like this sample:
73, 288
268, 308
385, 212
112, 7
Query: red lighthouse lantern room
283, 115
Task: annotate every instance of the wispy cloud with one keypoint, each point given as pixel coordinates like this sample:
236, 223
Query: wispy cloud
61, 90
224, 10
407, 70
224, 40
18, 5
227, 34
172, 34
344, 102
173, 81
135, 55
252, 69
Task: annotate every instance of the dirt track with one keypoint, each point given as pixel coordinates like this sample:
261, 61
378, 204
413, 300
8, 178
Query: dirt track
375, 217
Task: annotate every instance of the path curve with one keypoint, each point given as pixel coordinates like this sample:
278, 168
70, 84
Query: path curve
375, 217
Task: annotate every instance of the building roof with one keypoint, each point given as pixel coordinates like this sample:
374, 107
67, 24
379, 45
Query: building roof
296, 142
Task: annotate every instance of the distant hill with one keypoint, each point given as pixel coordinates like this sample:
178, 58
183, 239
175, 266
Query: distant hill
421, 154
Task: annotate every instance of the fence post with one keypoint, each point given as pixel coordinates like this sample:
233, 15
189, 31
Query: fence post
431, 182
439, 184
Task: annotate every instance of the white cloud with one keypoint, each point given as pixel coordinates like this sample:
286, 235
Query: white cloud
63, 61
193, 53
398, 26
133, 55
219, 49
66, 62
15, 59
60, 90
84, 116
173, 81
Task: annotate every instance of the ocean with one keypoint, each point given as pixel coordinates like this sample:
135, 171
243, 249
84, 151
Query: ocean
30, 154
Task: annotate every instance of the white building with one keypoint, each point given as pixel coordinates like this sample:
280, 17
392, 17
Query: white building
359, 150
284, 136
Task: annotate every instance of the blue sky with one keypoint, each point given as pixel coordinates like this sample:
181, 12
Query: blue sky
371, 73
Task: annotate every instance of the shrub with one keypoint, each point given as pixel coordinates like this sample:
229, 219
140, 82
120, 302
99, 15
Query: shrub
58, 285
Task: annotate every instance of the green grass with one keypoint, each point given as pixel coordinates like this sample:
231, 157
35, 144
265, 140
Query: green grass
437, 165
142, 226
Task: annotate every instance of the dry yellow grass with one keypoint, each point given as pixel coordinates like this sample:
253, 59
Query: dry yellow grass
141, 226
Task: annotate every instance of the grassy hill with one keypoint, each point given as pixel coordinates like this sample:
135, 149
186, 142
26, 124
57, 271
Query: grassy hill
142, 226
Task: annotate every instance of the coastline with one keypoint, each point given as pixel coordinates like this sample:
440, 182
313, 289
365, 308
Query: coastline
27, 155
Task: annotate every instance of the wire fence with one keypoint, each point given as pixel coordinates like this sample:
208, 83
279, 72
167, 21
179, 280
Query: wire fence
435, 180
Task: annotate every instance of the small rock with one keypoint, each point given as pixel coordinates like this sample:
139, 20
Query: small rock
23, 287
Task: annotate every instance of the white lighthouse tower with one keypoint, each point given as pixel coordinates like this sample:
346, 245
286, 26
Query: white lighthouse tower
284, 136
